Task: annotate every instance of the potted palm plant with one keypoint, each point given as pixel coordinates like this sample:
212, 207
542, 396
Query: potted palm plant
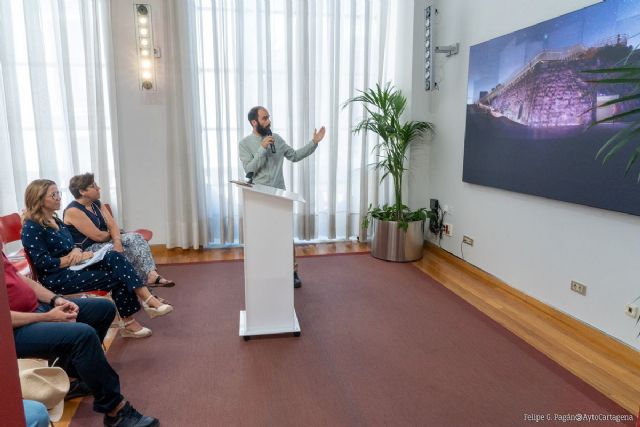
398, 232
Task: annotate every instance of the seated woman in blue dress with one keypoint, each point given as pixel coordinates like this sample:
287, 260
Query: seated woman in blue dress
52, 251
92, 226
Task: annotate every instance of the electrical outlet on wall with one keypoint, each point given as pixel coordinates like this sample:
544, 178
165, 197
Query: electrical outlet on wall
631, 310
448, 229
578, 287
467, 240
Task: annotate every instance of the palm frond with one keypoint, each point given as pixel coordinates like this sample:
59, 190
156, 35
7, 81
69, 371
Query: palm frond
615, 101
612, 70
613, 150
632, 160
626, 76
616, 117
622, 135
618, 80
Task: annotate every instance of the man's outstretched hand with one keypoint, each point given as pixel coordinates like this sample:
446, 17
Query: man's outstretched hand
318, 134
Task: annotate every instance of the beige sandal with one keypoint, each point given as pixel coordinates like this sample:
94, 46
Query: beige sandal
156, 311
159, 298
140, 333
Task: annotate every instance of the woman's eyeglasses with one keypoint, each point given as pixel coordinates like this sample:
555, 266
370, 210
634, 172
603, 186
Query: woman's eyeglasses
56, 195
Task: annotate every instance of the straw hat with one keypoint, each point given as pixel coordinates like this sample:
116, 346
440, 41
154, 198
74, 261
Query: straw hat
44, 384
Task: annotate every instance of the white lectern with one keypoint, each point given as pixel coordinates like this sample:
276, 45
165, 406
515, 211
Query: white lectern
268, 261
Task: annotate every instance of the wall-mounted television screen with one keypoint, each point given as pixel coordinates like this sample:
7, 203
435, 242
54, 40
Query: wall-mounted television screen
530, 107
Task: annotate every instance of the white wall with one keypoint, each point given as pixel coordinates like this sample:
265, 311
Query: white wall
534, 244
142, 118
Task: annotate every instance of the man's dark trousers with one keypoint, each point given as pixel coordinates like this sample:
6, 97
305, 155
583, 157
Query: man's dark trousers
78, 345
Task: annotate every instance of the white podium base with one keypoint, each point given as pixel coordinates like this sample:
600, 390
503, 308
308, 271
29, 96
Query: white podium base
244, 332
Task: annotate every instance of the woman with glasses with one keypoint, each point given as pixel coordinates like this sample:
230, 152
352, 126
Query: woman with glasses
92, 227
51, 248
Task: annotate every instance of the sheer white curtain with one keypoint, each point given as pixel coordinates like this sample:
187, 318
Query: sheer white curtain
187, 218
56, 114
301, 60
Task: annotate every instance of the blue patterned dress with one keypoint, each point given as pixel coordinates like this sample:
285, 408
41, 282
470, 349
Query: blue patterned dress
46, 245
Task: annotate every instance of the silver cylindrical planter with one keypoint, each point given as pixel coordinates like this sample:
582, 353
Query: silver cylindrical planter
391, 243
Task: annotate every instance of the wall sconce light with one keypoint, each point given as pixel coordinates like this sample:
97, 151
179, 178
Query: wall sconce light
428, 75
144, 46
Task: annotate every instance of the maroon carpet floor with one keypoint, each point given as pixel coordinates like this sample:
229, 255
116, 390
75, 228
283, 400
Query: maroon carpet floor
381, 344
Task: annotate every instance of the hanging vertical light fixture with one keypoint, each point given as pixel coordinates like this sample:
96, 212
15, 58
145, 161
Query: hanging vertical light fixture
144, 45
430, 49
428, 74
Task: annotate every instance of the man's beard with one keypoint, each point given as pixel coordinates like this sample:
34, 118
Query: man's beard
264, 131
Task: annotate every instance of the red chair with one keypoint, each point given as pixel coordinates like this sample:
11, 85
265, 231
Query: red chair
146, 234
10, 229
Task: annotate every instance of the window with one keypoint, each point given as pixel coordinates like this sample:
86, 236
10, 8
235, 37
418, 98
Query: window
301, 60
55, 105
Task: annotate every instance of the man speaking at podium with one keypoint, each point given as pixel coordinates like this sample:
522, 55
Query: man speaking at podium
262, 154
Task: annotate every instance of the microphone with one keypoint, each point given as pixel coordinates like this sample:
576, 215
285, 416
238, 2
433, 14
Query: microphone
250, 177
272, 145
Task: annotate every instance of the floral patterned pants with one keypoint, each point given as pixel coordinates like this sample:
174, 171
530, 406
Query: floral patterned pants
136, 251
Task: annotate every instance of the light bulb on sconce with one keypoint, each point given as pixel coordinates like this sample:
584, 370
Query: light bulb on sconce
142, 9
145, 47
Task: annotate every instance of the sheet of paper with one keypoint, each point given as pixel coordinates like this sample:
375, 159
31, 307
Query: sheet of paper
97, 257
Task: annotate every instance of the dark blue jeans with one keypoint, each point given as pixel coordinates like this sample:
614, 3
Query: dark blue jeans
78, 345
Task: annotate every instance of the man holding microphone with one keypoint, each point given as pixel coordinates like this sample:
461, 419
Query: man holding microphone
262, 154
